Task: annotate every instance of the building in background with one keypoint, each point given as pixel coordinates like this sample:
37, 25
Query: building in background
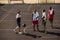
28, 1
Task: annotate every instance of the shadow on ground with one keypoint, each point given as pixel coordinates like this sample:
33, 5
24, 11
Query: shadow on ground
31, 35
56, 27
53, 33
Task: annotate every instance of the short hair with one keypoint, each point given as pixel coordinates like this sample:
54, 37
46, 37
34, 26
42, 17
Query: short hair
18, 11
35, 9
50, 7
44, 10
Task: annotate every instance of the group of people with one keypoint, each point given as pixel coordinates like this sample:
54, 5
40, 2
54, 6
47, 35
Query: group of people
35, 19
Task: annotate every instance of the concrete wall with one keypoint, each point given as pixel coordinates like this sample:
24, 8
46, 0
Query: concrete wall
4, 1
57, 1
29, 1
51, 1
42, 1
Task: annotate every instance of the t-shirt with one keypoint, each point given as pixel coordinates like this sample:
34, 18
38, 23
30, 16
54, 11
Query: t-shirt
35, 15
18, 16
50, 13
43, 14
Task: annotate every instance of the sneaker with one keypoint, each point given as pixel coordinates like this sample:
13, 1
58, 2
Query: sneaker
20, 32
16, 32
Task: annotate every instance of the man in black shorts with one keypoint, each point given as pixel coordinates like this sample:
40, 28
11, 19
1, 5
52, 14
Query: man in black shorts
44, 20
18, 20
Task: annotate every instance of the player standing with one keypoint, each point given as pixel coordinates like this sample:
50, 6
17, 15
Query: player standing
44, 20
51, 16
35, 16
18, 20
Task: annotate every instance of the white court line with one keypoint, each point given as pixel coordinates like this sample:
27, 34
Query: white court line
29, 29
5, 16
6, 29
15, 20
51, 37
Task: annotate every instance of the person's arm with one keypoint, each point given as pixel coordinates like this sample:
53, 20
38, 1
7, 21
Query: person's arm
32, 16
19, 15
53, 12
16, 16
48, 13
45, 18
37, 15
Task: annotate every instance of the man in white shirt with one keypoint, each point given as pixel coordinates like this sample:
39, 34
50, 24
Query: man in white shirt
35, 16
18, 19
44, 20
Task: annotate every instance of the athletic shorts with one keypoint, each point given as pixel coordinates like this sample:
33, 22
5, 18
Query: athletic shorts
18, 21
51, 19
43, 22
35, 22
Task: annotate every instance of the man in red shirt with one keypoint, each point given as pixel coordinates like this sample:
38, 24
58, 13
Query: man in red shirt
51, 16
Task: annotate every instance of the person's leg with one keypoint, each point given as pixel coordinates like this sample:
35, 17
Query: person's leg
19, 28
45, 27
19, 23
51, 22
37, 27
42, 21
16, 28
33, 23
34, 27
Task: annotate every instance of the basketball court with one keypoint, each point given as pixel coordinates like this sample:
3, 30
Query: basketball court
8, 22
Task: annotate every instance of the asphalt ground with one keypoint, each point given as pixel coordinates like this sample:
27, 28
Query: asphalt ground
8, 22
